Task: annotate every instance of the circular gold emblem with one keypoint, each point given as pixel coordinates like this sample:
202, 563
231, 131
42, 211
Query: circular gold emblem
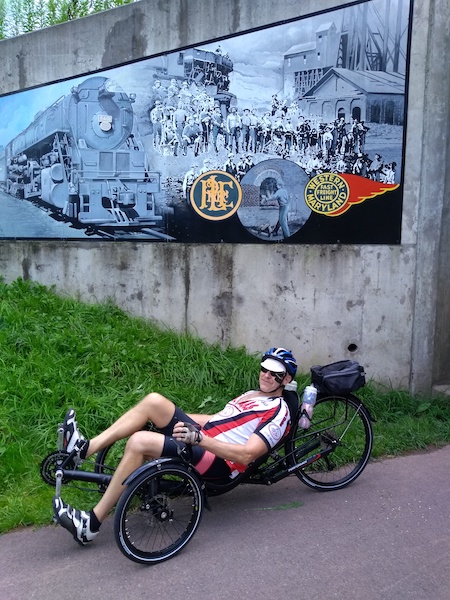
326, 193
216, 195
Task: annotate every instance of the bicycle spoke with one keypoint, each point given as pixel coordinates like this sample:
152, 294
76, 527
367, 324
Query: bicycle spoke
342, 427
158, 515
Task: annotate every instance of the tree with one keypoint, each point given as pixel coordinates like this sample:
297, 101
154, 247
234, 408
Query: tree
23, 16
2, 19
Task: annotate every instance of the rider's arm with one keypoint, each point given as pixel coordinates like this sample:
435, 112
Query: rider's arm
243, 454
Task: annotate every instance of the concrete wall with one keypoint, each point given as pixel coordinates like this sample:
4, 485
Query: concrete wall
384, 306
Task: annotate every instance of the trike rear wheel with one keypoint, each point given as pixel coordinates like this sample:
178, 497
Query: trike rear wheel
158, 513
341, 432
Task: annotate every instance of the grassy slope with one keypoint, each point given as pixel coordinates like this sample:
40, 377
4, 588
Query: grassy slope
56, 353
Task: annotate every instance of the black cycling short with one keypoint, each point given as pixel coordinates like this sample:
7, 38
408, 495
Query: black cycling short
217, 470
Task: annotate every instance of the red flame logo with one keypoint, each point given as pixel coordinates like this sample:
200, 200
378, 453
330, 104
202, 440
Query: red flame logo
362, 189
332, 194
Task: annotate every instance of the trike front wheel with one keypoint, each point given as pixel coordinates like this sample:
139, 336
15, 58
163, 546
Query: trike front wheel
340, 436
158, 513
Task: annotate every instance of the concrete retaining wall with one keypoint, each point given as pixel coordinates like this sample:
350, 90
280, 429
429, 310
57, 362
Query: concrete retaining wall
384, 306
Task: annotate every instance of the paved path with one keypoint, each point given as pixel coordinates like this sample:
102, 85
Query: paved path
385, 537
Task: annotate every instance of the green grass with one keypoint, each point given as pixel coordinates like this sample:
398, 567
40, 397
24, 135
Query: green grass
56, 353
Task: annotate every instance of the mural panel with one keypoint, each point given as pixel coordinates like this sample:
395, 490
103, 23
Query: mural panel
293, 133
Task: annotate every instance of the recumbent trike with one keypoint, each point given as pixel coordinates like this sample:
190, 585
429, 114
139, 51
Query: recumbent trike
161, 507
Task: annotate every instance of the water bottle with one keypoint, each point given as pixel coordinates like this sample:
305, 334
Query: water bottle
308, 401
291, 386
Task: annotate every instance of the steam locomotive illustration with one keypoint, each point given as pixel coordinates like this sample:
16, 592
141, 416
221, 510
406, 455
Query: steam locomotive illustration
82, 158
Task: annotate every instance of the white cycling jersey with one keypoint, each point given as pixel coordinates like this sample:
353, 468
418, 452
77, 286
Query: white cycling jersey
248, 414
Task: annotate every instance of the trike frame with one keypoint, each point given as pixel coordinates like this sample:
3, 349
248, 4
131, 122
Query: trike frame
162, 504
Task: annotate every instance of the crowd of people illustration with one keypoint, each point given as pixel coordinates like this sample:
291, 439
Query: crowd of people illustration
185, 118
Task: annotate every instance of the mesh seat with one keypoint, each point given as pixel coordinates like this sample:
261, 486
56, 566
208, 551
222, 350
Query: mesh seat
292, 400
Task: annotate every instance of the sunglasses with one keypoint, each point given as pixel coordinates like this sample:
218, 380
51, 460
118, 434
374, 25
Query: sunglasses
277, 376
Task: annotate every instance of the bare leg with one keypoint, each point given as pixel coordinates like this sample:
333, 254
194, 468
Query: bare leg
154, 407
141, 445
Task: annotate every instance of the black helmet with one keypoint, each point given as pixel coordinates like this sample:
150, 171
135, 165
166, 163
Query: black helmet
285, 357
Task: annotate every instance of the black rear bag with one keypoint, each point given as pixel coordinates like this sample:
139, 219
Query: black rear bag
341, 377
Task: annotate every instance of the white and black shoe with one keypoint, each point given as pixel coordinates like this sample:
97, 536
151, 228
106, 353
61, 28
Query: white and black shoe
78, 522
72, 436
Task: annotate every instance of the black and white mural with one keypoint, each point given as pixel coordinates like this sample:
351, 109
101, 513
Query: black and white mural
293, 133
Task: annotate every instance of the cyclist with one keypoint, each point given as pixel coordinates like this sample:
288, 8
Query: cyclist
223, 445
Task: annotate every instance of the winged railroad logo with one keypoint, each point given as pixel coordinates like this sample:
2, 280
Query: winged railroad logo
332, 194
